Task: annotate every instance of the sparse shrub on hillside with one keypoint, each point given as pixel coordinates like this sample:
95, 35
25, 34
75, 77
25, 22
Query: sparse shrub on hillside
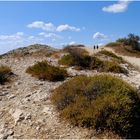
75, 50
92, 63
5, 72
107, 66
42, 70
76, 57
130, 43
73, 46
96, 63
103, 102
132, 40
75, 60
110, 54
112, 66
67, 60
113, 44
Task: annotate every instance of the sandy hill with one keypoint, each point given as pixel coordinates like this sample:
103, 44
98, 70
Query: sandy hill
25, 107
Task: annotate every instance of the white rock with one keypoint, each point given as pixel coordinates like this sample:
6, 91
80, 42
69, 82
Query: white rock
11, 96
47, 110
18, 115
28, 116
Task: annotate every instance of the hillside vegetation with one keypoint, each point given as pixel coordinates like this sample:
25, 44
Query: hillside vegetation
129, 45
69, 93
42, 70
102, 102
5, 72
79, 57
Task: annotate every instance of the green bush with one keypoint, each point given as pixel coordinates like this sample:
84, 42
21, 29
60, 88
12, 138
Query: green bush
96, 63
76, 57
4, 73
67, 60
112, 66
132, 40
42, 70
107, 66
92, 63
74, 47
110, 54
103, 102
113, 44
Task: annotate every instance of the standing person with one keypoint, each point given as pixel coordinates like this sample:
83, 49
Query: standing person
94, 47
97, 46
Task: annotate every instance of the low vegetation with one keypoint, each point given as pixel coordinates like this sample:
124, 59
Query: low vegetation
129, 45
42, 70
5, 72
75, 58
107, 66
66, 48
101, 102
112, 66
110, 54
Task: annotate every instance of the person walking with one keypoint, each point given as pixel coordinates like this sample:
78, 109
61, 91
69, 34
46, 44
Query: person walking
97, 46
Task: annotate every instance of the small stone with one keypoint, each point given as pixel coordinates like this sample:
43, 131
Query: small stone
47, 110
28, 95
1, 136
11, 96
7, 134
17, 83
10, 137
38, 127
10, 132
28, 117
3, 93
18, 115
7, 86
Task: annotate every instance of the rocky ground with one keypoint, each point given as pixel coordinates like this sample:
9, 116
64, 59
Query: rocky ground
25, 107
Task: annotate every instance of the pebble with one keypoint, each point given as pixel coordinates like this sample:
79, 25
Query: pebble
18, 115
11, 96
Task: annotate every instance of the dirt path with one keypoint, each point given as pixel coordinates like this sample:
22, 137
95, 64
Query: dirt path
132, 60
90, 50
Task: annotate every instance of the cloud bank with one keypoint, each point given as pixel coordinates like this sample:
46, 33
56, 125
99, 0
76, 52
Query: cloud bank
50, 27
99, 35
121, 6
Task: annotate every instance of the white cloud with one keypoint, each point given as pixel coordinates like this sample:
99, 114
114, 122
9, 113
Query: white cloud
50, 35
100, 44
42, 25
72, 43
67, 27
99, 35
42, 33
31, 37
50, 27
16, 36
20, 33
121, 6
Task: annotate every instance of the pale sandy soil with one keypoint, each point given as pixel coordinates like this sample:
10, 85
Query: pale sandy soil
132, 60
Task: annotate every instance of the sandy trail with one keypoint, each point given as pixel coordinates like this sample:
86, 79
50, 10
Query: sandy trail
132, 60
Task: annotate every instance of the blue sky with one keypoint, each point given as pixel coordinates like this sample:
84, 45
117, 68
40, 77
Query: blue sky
60, 23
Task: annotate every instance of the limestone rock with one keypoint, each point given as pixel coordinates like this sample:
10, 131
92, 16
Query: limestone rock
17, 115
